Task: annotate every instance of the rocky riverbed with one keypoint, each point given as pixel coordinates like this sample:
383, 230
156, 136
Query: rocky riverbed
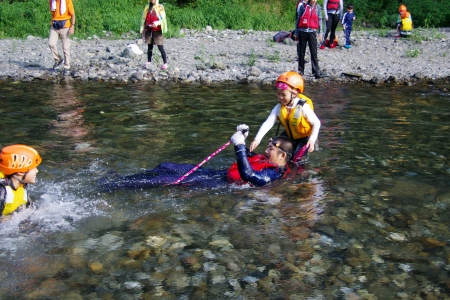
244, 56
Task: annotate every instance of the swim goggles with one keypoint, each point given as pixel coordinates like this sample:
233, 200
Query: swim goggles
271, 141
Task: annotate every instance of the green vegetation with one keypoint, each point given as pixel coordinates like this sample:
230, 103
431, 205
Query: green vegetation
252, 58
412, 52
20, 18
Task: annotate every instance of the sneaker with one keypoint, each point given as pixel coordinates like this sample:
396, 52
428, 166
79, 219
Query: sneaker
322, 47
333, 45
347, 46
327, 43
58, 64
164, 66
148, 65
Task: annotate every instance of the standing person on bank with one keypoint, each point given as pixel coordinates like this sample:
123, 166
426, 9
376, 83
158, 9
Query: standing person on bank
333, 10
62, 26
153, 26
308, 21
347, 23
18, 168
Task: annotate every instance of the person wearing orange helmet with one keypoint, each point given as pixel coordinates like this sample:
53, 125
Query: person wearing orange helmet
18, 168
404, 22
295, 113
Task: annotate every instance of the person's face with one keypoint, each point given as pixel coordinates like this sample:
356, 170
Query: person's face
31, 176
349, 10
273, 153
153, 1
285, 96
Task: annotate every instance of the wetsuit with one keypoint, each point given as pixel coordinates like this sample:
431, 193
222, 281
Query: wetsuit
167, 173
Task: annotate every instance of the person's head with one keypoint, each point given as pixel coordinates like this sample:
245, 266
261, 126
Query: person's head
20, 162
350, 7
288, 85
312, 2
402, 9
279, 150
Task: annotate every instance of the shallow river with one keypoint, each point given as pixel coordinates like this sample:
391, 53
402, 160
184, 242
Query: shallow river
368, 217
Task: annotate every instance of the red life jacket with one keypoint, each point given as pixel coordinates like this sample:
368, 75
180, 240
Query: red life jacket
332, 5
257, 162
150, 18
309, 19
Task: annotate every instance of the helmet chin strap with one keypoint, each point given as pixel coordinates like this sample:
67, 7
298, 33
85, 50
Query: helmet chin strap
20, 180
292, 99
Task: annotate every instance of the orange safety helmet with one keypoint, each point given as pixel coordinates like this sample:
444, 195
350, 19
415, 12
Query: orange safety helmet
18, 158
402, 8
293, 79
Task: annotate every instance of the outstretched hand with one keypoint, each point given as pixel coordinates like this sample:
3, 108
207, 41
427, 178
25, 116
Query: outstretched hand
310, 146
253, 145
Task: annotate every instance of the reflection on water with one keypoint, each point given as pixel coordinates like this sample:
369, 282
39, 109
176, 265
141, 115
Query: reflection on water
366, 219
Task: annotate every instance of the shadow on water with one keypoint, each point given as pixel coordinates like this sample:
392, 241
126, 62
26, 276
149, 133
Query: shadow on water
367, 217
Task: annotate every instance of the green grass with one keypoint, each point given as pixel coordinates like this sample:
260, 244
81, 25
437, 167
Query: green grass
117, 18
422, 34
252, 58
412, 52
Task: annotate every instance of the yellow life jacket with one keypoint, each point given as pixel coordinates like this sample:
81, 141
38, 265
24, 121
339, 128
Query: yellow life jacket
406, 24
14, 198
294, 123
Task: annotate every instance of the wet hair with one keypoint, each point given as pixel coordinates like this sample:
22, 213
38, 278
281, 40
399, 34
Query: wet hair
285, 144
350, 6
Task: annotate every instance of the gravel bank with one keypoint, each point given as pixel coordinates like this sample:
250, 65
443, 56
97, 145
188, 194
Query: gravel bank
209, 56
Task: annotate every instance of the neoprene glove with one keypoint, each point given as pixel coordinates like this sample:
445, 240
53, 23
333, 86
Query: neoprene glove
238, 138
244, 129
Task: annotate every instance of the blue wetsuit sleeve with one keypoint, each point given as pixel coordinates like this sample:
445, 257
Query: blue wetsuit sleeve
2, 198
258, 178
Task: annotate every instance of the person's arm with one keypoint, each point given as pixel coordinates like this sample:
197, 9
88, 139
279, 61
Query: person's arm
71, 11
257, 178
325, 11
341, 9
300, 11
312, 118
265, 127
319, 14
144, 15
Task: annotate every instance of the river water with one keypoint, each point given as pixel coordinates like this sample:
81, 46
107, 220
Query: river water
367, 218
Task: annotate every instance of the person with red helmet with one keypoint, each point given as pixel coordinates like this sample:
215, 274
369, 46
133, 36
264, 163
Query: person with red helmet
294, 112
18, 168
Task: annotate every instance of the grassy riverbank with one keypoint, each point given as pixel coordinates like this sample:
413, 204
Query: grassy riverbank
20, 18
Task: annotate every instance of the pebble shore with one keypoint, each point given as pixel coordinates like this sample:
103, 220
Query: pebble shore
243, 56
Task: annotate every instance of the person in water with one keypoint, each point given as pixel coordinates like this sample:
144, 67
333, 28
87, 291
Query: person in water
295, 113
18, 168
256, 169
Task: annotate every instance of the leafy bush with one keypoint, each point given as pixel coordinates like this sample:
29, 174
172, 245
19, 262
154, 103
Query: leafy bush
20, 18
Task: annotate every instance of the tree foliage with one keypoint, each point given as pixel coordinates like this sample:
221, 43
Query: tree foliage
19, 18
